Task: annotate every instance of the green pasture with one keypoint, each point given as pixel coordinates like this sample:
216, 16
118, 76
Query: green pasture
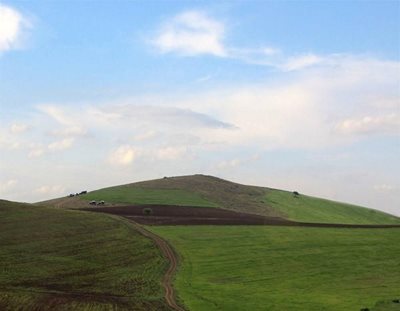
310, 209
53, 259
285, 268
134, 195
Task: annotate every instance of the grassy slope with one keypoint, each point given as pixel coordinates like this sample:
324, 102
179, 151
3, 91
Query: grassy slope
281, 268
386, 306
201, 190
137, 195
53, 259
310, 209
223, 193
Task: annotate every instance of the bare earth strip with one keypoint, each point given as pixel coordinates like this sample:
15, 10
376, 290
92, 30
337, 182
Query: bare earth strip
188, 215
169, 253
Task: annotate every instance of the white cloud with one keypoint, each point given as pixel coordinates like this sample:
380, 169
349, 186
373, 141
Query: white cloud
36, 152
58, 113
141, 116
73, 131
314, 108
367, 125
123, 155
7, 186
50, 190
18, 128
191, 33
194, 33
61, 144
170, 153
304, 110
229, 164
233, 163
12, 24
8, 142
71, 126
384, 188
145, 136
301, 62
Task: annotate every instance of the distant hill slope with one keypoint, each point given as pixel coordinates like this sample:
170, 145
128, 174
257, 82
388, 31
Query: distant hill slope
53, 259
310, 209
209, 191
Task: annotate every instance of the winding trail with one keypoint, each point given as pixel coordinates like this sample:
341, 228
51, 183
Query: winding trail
169, 253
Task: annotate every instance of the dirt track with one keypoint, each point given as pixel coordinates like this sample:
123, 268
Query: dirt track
188, 215
169, 253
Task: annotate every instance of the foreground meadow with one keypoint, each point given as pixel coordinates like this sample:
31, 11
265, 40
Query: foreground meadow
53, 259
282, 268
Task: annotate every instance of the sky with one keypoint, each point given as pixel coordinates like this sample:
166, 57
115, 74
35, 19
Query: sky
295, 95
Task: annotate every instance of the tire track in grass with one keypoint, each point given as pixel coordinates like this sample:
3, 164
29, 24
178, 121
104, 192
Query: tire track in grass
169, 253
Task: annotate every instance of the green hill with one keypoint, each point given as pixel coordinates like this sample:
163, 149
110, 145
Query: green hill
208, 191
310, 209
53, 259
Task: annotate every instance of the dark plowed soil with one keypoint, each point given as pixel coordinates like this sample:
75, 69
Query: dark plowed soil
188, 215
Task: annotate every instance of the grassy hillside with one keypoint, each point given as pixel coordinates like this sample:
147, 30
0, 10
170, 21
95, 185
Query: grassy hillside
208, 191
137, 195
386, 306
281, 268
310, 209
52, 259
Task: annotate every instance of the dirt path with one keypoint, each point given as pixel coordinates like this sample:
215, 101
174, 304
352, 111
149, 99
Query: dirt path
169, 253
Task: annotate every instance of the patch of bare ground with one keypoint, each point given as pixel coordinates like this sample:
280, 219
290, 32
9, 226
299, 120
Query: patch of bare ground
188, 215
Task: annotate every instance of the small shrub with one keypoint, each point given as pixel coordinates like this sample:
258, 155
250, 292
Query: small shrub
147, 211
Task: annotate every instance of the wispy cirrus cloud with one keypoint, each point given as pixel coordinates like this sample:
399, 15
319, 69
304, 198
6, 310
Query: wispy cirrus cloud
301, 61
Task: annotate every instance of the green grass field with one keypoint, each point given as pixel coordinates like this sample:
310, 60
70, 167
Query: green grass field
53, 259
386, 306
135, 195
285, 268
310, 209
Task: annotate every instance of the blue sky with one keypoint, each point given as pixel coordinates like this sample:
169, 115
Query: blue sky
293, 95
